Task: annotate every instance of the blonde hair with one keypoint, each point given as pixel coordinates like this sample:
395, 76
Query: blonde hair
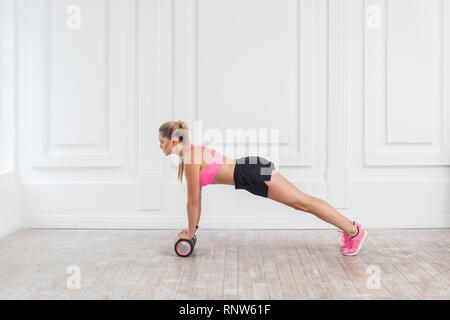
180, 130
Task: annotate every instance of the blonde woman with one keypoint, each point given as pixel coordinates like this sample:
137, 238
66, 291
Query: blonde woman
203, 165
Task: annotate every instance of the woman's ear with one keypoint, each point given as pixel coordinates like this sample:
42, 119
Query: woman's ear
174, 143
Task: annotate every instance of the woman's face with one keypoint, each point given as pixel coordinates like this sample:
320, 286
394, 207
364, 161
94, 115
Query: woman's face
165, 144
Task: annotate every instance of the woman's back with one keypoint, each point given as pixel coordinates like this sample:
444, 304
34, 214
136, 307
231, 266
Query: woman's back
212, 161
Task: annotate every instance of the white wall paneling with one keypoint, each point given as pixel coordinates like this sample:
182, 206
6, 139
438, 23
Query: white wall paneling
399, 118
77, 108
407, 72
249, 64
7, 84
359, 91
10, 211
79, 82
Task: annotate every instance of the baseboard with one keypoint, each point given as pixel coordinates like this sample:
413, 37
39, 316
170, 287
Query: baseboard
304, 221
9, 227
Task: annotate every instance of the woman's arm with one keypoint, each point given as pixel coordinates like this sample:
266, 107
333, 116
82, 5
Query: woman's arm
193, 211
192, 172
200, 208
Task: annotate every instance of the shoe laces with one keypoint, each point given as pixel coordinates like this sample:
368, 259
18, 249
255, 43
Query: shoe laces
351, 243
344, 237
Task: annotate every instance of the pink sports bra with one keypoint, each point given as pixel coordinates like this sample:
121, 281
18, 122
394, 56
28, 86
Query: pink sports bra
207, 176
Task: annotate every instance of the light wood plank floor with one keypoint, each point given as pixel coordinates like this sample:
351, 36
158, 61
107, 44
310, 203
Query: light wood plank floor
226, 264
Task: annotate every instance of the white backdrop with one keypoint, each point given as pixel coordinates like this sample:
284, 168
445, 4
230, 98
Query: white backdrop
359, 91
10, 213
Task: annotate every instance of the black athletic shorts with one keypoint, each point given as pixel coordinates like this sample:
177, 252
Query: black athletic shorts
250, 173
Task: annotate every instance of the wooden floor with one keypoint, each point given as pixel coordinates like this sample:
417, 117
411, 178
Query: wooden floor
226, 264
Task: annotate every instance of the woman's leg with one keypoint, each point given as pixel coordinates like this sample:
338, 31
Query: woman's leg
281, 190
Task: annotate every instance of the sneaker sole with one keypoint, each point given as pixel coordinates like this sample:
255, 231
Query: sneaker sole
359, 247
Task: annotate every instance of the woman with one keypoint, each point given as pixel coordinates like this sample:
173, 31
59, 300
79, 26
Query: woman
203, 165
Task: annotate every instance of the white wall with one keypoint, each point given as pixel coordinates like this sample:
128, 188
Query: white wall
10, 213
362, 112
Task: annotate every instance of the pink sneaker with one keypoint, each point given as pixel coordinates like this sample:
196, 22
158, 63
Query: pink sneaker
345, 237
356, 242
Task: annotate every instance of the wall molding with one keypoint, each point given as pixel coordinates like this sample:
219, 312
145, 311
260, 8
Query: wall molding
148, 167
338, 157
36, 18
297, 149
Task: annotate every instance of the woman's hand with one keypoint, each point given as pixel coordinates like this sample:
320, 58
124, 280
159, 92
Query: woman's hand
184, 234
183, 231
